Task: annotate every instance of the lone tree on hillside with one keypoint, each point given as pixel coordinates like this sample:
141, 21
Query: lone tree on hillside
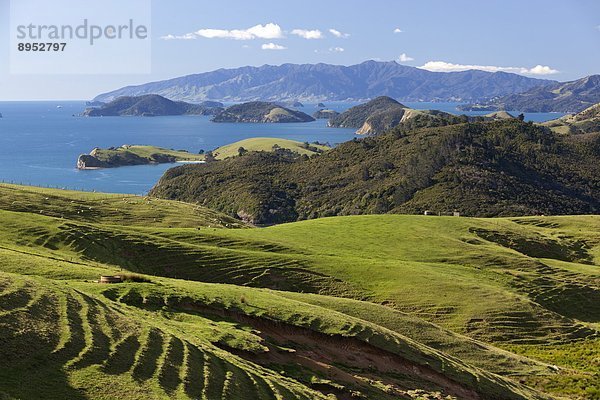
242, 151
209, 156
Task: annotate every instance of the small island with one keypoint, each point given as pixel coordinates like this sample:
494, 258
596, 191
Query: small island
261, 112
477, 107
128, 155
151, 105
321, 105
325, 114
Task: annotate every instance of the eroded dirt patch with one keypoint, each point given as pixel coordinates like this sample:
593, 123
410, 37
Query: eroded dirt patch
347, 367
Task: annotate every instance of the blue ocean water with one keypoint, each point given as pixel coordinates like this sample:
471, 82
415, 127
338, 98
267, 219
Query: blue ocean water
40, 141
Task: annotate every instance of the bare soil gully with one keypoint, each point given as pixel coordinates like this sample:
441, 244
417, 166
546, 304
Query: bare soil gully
343, 359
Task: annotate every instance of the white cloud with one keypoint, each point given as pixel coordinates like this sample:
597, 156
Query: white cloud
267, 31
542, 70
187, 36
331, 50
398, 30
405, 58
338, 34
442, 66
272, 46
308, 34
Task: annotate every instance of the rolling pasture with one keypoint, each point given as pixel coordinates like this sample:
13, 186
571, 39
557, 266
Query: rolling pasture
371, 307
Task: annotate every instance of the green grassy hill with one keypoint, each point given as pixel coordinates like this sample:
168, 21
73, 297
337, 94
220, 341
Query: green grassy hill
109, 209
268, 144
372, 307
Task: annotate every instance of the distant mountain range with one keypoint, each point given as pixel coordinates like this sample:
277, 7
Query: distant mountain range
570, 97
324, 82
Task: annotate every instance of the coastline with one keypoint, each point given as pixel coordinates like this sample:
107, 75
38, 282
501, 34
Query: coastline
176, 162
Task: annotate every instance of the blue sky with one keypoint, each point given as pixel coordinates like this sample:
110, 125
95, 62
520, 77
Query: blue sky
548, 39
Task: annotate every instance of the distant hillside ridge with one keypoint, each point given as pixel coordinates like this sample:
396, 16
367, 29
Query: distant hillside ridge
384, 113
324, 82
151, 105
569, 97
356, 116
586, 121
260, 112
498, 168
